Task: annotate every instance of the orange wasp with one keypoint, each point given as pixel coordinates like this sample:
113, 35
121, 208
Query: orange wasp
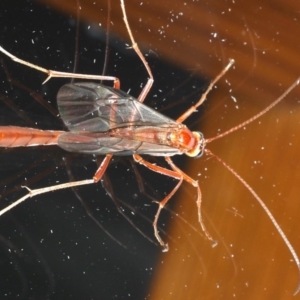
106, 121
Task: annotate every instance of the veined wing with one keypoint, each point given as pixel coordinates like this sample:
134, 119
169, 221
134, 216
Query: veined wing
105, 120
103, 143
91, 107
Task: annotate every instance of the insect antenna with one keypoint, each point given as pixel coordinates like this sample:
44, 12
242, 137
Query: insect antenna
248, 187
265, 208
250, 120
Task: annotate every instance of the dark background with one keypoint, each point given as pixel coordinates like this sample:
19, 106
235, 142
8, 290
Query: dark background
51, 249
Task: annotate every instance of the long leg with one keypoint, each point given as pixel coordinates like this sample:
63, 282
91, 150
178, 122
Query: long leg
199, 195
136, 48
31, 193
52, 73
177, 174
203, 97
88, 210
163, 202
140, 182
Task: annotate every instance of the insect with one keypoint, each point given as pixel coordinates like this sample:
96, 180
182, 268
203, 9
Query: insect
106, 121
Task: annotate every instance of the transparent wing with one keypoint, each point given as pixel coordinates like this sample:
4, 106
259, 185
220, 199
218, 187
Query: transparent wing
93, 107
101, 143
104, 120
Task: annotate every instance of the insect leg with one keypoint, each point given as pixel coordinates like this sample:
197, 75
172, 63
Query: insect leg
163, 202
199, 195
136, 48
141, 184
52, 73
32, 193
203, 97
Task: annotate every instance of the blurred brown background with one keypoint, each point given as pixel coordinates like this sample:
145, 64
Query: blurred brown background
251, 261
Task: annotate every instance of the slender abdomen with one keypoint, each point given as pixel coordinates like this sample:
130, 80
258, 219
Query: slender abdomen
14, 136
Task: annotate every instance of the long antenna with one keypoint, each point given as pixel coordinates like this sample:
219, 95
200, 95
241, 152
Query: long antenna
235, 128
265, 208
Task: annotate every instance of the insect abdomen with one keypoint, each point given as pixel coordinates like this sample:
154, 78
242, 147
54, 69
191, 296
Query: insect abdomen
14, 136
